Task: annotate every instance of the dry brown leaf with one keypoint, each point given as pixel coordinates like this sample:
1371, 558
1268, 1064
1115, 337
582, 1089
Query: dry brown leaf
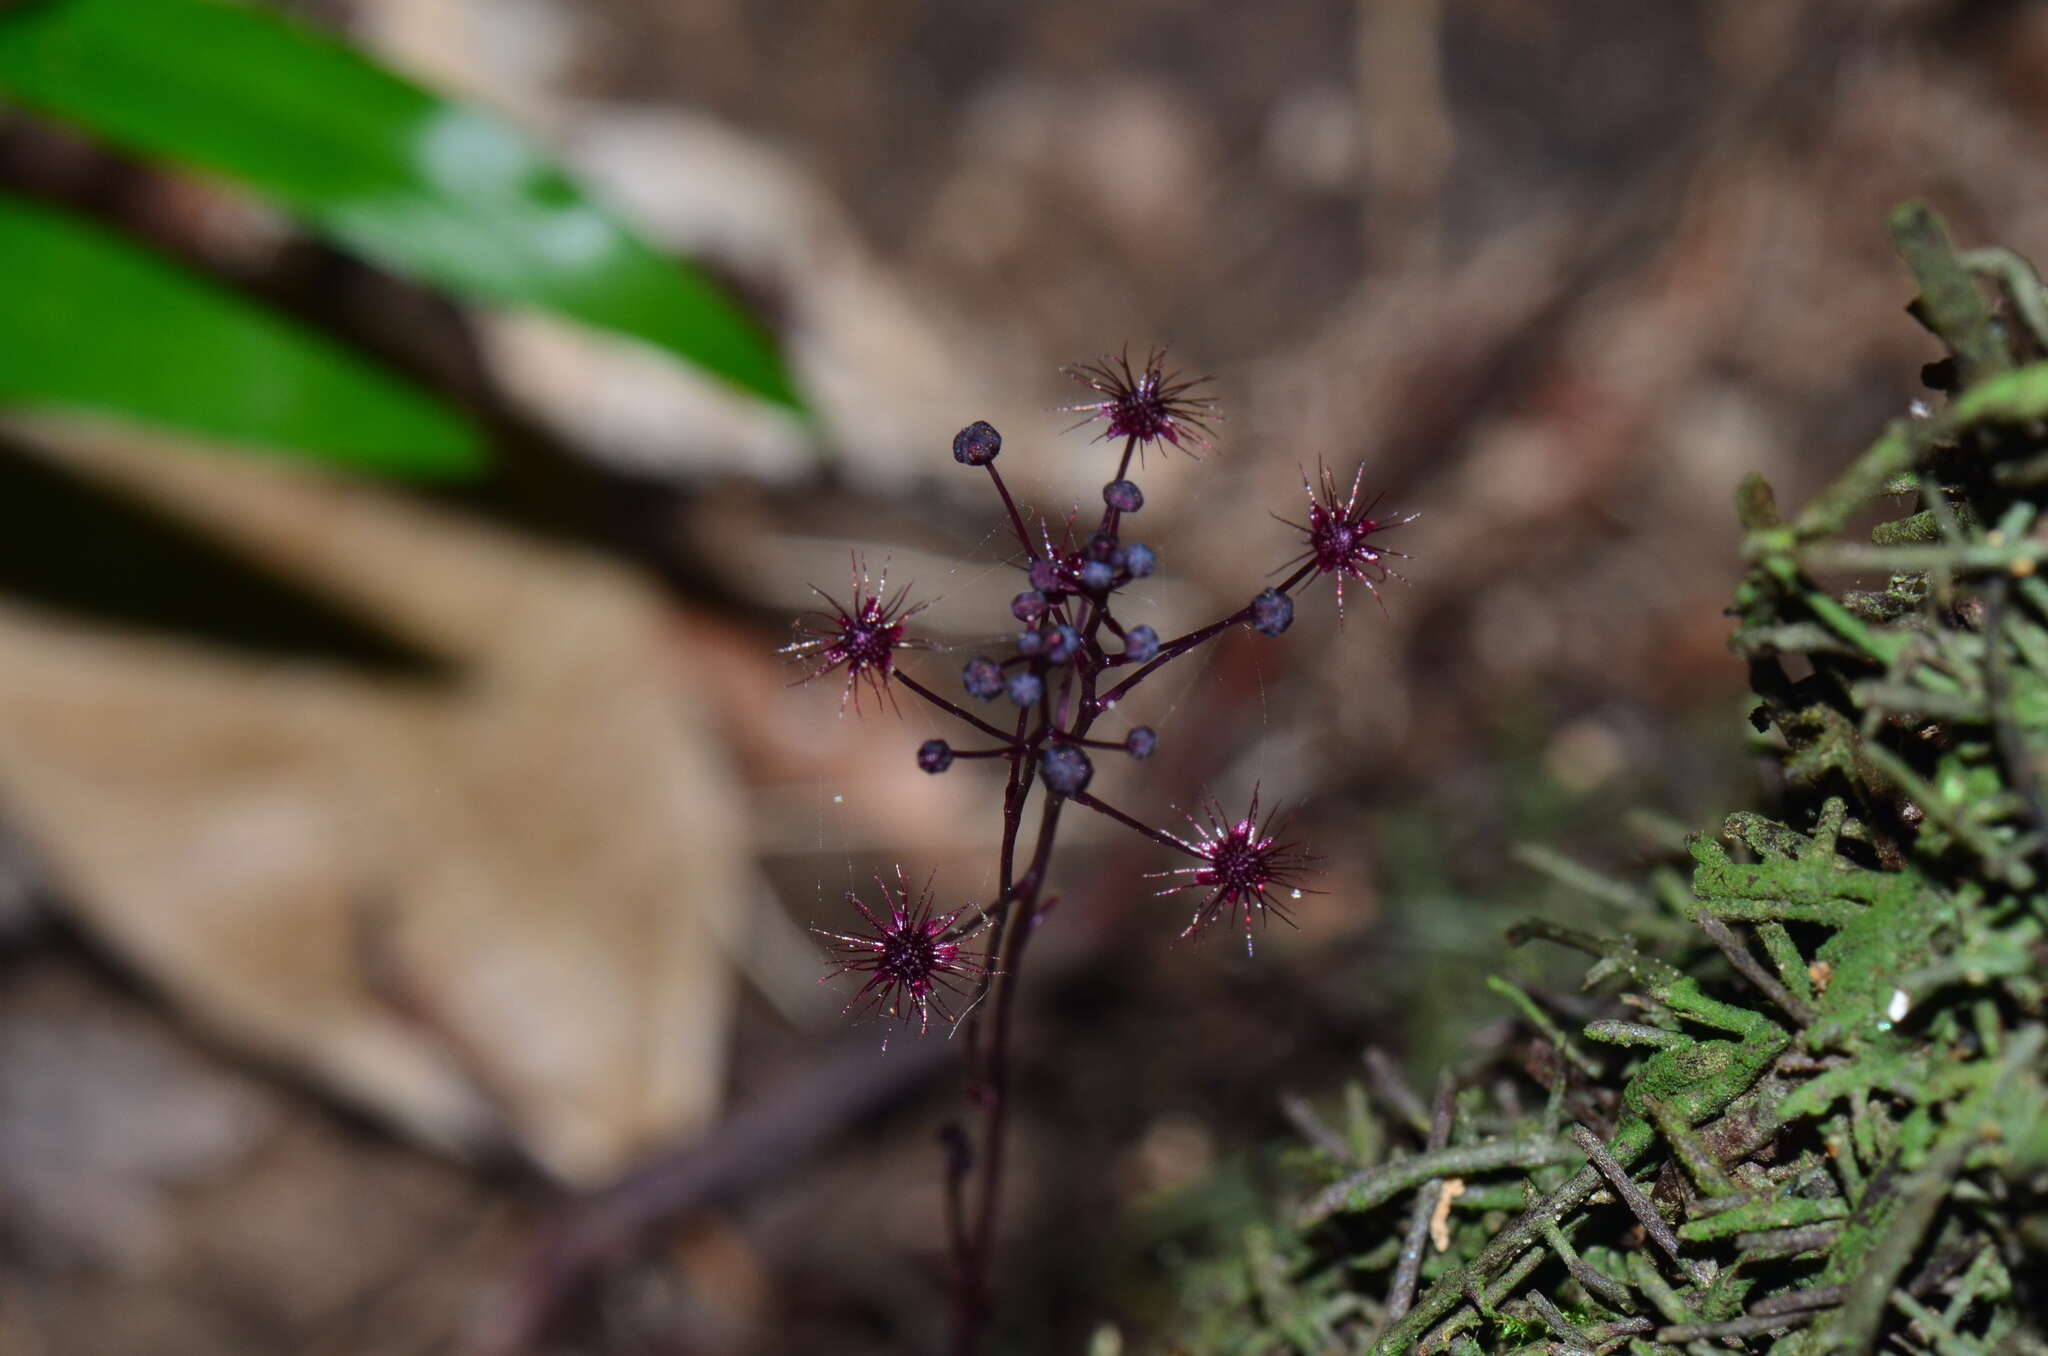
538, 848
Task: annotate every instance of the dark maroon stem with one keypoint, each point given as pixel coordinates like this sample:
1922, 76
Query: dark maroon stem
1304, 572
952, 710
1138, 826
997, 913
1170, 651
972, 1302
1016, 518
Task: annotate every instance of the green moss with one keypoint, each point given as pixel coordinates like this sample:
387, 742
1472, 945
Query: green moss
1822, 1126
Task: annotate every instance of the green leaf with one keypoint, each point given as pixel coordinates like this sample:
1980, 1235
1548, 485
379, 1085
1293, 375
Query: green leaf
91, 322
429, 188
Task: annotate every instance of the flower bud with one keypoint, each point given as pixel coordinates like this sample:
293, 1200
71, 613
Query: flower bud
977, 444
983, 678
1272, 612
1066, 769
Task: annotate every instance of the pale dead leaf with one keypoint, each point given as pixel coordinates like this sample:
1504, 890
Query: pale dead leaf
546, 836
1440, 1213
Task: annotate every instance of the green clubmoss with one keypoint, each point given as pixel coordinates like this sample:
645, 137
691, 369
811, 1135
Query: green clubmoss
1825, 1127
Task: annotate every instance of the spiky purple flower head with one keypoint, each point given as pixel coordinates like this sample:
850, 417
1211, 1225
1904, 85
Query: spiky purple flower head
861, 636
1245, 864
1339, 535
1150, 406
909, 965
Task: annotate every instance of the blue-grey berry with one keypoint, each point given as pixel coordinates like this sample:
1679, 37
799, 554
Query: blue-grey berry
934, 756
1030, 642
1097, 576
1045, 577
1025, 689
1272, 612
1123, 495
977, 444
1139, 560
1140, 742
1065, 644
1028, 606
983, 678
1140, 644
1066, 769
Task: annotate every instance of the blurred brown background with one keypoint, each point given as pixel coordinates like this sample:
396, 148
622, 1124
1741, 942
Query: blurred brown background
436, 978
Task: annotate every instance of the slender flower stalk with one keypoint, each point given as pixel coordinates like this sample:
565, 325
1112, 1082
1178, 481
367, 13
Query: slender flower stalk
1034, 703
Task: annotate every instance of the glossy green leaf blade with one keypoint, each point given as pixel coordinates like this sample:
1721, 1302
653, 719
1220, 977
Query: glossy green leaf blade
429, 188
91, 322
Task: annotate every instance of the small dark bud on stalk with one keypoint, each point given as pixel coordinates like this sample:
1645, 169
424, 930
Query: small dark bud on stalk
1045, 577
1123, 495
983, 678
1140, 742
1066, 643
1028, 606
977, 444
1272, 612
1101, 546
1066, 769
1140, 644
934, 756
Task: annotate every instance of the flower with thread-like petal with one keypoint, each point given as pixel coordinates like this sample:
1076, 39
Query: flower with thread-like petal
909, 965
1339, 535
1244, 864
1149, 406
861, 637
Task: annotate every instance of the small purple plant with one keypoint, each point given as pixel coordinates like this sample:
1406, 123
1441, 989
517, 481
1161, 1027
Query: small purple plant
1073, 663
